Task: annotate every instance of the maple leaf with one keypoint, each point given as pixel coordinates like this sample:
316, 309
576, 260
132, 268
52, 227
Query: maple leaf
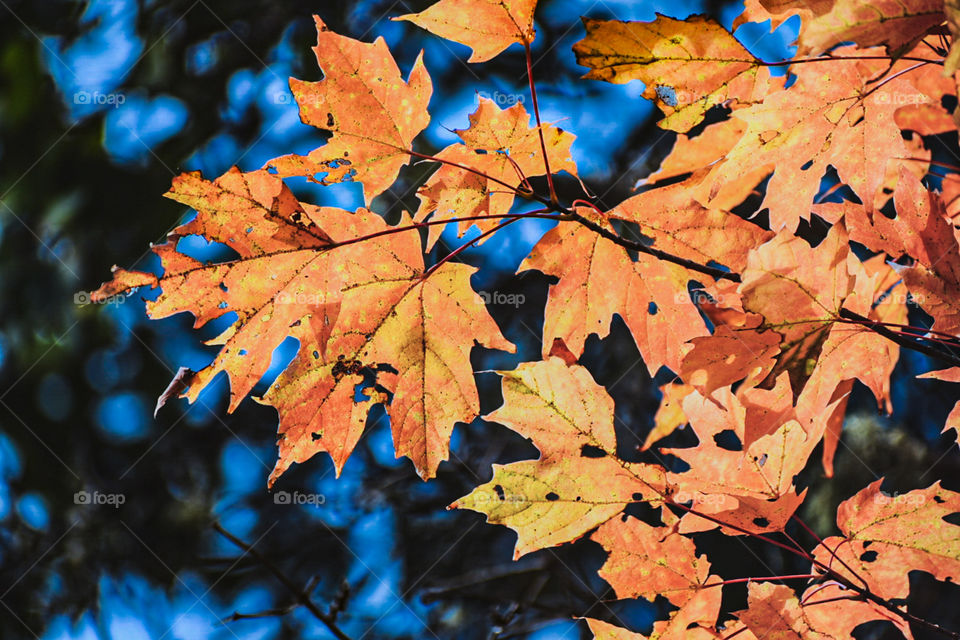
669, 414
274, 235
830, 117
424, 329
503, 147
751, 488
605, 631
886, 537
920, 231
953, 419
354, 307
799, 291
854, 351
373, 114
681, 226
486, 26
738, 350
647, 561
695, 620
826, 612
651, 295
578, 482
687, 66
952, 10
690, 153
826, 23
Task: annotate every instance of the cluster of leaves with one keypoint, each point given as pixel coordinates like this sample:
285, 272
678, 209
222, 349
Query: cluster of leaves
765, 332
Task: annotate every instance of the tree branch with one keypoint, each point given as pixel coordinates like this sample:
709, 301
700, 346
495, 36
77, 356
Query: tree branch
301, 597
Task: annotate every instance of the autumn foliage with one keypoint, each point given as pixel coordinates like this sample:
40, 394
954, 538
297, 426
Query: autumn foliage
765, 332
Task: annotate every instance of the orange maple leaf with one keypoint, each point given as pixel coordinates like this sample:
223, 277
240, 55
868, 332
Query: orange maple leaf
373, 114
486, 26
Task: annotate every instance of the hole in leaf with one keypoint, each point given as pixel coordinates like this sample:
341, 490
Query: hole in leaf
728, 440
868, 556
761, 522
590, 451
552, 497
652, 308
499, 490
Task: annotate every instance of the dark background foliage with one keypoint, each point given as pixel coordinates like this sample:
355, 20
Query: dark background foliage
201, 85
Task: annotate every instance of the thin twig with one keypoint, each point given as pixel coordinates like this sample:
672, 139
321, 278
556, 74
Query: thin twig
302, 598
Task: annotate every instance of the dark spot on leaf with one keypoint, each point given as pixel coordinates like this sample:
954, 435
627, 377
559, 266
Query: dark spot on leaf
345, 367
868, 556
552, 497
500, 493
590, 451
330, 120
729, 440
